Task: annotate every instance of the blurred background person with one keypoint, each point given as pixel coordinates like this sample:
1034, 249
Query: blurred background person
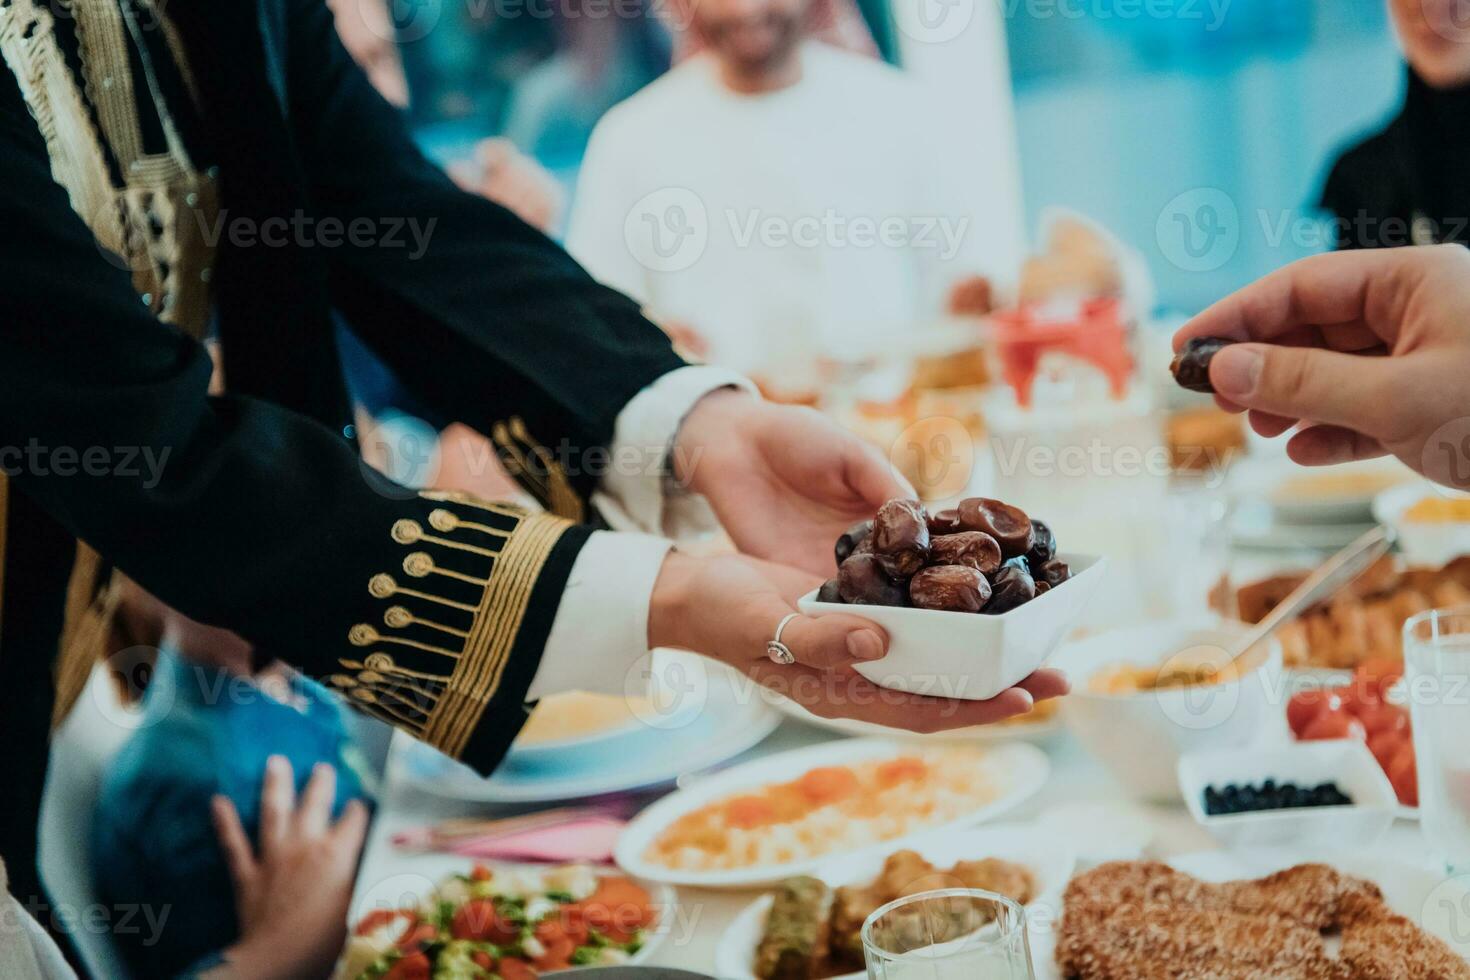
740, 196
1407, 184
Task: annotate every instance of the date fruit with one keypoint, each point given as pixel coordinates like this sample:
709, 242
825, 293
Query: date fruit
1191, 366
951, 588
1009, 526
1010, 587
1043, 544
861, 581
831, 591
976, 549
851, 539
945, 522
1053, 572
901, 538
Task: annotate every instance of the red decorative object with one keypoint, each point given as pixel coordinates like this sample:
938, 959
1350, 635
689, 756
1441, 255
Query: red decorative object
1093, 333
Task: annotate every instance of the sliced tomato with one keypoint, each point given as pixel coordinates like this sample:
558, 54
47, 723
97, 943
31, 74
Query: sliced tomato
902, 769
421, 933
1333, 725
515, 970
414, 966
558, 955
480, 873
483, 960
1305, 706
379, 917
1358, 696
477, 920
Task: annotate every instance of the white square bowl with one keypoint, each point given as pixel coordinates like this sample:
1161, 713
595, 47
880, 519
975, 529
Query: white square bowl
1346, 762
971, 655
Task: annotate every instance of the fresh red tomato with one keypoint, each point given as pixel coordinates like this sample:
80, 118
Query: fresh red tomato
1384, 718
1380, 673
483, 960
1332, 725
1404, 774
378, 918
558, 955
515, 970
1305, 706
480, 873
1358, 697
414, 966
477, 920
421, 933
1385, 745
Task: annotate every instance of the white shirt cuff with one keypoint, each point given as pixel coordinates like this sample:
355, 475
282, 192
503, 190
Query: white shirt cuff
634, 493
601, 628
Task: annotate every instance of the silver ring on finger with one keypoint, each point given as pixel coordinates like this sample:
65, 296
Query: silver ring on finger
779, 652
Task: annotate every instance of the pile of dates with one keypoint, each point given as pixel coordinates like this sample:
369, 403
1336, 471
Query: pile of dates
983, 556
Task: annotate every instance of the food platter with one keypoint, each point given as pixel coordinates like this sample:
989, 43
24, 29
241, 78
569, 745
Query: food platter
1012, 773
1048, 860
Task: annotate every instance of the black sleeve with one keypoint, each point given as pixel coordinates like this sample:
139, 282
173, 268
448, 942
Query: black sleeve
428, 611
481, 315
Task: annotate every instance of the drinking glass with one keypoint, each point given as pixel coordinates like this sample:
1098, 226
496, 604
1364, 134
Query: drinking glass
1437, 673
953, 934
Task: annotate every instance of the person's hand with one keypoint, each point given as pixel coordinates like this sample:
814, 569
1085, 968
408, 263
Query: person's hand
1368, 350
728, 607
784, 481
291, 896
513, 180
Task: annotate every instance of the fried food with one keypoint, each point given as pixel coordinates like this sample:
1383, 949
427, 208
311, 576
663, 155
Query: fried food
796, 931
904, 873
1142, 920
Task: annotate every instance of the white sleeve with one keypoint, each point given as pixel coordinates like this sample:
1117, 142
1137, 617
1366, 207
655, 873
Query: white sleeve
601, 629
635, 493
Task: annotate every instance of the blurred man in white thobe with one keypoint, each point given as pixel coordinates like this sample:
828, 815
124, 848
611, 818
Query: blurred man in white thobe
782, 194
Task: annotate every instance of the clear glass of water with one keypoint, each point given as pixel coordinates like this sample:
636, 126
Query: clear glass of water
954, 934
1437, 675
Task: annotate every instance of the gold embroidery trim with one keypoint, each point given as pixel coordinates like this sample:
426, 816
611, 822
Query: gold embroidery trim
536, 469
487, 650
443, 709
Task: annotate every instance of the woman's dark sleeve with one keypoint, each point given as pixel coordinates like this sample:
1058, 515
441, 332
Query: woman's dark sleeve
427, 611
481, 315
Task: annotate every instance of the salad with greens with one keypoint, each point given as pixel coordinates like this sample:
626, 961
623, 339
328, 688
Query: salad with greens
503, 923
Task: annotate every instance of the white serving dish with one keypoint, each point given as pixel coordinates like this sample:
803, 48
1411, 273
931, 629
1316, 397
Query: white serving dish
1048, 859
1140, 737
1020, 770
965, 655
1285, 488
1346, 762
1037, 732
1422, 544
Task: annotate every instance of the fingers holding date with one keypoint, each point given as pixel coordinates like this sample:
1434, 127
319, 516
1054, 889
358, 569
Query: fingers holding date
984, 556
1191, 366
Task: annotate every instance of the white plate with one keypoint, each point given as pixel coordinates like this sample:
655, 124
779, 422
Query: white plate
1272, 480
732, 718
1019, 769
1422, 544
964, 655
1035, 731
1049, 861
1437, 905
405, 888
